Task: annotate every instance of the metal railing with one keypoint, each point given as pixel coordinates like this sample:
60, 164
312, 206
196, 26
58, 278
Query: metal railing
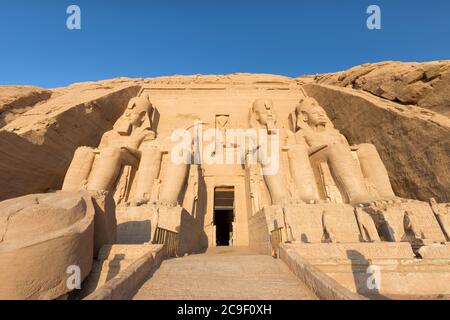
169, 239
276, 239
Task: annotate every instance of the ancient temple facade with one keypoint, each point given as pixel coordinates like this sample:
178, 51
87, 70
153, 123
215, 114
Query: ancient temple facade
257, 164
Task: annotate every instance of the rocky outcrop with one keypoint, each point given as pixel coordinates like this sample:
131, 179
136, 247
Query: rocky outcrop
16, 100
426, 85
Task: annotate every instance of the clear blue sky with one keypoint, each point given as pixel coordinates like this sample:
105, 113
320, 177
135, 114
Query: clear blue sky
138, 38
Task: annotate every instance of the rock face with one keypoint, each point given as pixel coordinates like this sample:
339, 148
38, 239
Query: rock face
16, 100
426, 85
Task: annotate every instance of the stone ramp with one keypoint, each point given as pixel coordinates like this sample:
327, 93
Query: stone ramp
224, 273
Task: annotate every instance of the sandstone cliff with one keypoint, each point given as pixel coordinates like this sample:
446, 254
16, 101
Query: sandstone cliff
425, 85
16, 100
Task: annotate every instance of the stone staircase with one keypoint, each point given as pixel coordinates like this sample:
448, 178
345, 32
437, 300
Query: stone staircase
113, 260
224, 273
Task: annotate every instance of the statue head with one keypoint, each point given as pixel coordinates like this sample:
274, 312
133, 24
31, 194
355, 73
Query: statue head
310, 112
138, 111
263, 114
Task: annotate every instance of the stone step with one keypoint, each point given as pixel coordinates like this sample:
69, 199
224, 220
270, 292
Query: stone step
114, 259
223, 274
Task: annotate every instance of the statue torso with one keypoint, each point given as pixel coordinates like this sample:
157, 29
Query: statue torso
316, 137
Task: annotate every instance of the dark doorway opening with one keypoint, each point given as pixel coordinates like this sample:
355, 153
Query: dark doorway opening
223, 219
224, 215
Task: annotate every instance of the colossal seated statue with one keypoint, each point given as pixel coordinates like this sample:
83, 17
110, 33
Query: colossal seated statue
132, 142
326, 144
263, 116
118, 147
174, 175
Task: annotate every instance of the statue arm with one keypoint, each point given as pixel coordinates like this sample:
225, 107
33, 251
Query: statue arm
315, 149
343, 139
148, 134
145, 134
104, 141
134, 152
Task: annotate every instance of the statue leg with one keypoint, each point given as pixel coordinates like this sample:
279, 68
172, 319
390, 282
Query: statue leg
347, 173
173, 182
269, 157
373, 169
302, 173
79, 169
148, 171
108, 167
277, 185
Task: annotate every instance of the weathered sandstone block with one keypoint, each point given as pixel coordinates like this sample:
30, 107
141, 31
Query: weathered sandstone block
105, 222
41, 235
411, 221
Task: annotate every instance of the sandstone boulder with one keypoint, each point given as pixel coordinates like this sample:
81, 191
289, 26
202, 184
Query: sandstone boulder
41, 235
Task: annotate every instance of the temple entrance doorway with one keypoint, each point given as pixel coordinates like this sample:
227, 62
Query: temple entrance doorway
224, 215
